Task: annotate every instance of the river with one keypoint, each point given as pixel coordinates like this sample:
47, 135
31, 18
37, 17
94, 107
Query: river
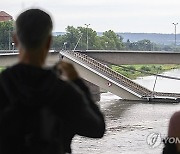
129, 123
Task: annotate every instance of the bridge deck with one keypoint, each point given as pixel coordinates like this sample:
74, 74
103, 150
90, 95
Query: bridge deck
134, 57
8, 58
131, 86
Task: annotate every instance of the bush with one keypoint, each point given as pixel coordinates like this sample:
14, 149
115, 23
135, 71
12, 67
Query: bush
145, 68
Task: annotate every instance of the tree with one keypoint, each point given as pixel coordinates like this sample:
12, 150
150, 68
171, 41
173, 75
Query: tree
6, 29
142, 45
59, 42
127, 44
145, 45
110, 40
73, 35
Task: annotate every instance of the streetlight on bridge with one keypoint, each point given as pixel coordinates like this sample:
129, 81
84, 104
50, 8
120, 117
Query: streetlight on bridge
64, 45
175, 24
87, 25
13, 44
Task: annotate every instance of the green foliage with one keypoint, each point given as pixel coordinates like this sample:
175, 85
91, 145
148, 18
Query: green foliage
109, 40
92, 38
134, 71
147, 45
130, 70
58, 42
145, 68
142, 45
6, 29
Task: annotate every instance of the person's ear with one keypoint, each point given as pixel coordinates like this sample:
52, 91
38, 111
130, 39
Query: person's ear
15, 40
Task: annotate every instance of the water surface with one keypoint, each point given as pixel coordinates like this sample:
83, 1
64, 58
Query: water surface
130, 122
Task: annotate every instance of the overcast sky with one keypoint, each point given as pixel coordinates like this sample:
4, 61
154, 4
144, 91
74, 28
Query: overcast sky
147, 16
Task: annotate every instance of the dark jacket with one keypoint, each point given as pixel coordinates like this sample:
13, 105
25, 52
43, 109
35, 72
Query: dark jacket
29, 88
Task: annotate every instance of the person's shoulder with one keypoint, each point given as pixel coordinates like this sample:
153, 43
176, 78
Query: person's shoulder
10, 69
5, 73
7, 69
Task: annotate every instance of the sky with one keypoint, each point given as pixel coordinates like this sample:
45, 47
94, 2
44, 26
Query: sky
135, 16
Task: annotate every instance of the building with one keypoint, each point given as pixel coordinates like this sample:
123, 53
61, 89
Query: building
5, 16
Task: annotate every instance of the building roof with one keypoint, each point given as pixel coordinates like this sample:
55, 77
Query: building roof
5, 16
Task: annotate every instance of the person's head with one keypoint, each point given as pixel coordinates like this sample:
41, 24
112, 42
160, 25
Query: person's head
33, 30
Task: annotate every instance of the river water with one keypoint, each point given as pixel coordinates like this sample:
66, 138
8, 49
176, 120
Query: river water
129, 123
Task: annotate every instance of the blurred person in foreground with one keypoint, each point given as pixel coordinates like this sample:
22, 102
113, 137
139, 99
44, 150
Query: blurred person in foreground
40, 112
172, 142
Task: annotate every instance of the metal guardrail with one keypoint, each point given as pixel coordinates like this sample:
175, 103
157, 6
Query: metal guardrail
9, 51
144, 92
17, 51
176, 95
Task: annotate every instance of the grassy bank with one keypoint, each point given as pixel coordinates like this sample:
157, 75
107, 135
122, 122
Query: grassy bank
134, 71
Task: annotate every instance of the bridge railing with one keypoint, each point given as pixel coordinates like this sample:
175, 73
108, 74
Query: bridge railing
112, 74
9, 51
176, 95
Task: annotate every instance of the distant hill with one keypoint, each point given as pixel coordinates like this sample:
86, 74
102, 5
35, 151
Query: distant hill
58, 33
166, 39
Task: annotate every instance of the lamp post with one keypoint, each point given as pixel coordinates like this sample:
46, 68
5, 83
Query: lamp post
106, 45
65, 45
175, 24
9, 39
13, 44
87, 25
9, 33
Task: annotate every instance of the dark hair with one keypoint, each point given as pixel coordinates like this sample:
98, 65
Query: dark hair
33, 28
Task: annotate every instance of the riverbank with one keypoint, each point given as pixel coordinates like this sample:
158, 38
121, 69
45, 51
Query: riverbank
134, 71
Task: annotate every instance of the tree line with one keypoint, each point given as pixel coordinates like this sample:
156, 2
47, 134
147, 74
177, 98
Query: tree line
108, 41
81, 36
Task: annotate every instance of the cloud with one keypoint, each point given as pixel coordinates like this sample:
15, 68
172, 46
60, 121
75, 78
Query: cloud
103, 14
